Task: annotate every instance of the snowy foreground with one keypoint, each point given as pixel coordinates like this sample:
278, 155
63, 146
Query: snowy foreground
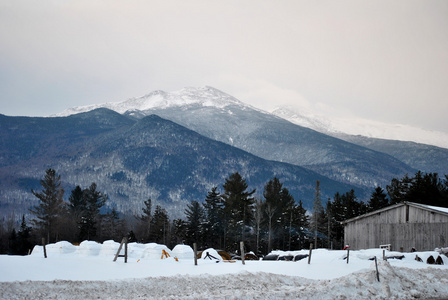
88, 272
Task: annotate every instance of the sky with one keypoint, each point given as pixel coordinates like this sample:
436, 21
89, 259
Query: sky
380, 60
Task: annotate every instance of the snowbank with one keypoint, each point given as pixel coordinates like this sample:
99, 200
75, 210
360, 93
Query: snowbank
88, 271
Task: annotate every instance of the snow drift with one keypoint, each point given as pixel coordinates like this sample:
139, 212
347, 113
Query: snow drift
87, 271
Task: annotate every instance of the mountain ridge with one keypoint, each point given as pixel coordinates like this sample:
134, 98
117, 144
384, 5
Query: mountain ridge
132, 160
222, 117
361, 127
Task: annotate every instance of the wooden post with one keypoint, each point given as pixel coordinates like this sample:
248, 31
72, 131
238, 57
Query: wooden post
242, 252
311, 250
125, 250
377, 274
384, 254
195, 253
45, 249
125, 242
348, 254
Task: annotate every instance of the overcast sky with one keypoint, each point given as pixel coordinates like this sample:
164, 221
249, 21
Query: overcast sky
380, 60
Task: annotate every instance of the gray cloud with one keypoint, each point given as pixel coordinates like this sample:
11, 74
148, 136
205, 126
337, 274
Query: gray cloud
382, 60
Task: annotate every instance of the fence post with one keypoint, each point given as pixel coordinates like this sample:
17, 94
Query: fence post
242, 252
377, 274
348, 254
384, 254
45, 249
195, 250
311, 250
125, 250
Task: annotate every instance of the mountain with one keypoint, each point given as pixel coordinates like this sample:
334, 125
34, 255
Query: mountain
425, 157
361, 127
222, 117
132, 160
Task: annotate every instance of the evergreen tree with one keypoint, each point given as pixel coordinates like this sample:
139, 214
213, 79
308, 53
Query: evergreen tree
299, 227
76, 209
213, 224
377, 200
343, 207
24, 238
144, 221
399, 189
280, 205
238, 207
113, 226
424, 188
94, 200
77, 202
179, 232
160, 226
51, 206
195, 217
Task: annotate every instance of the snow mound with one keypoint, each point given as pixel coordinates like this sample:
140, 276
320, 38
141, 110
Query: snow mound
183, 252
155, 251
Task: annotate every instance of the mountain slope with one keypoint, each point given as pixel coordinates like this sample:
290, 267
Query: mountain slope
132, 160
219, 116
427, 158
361, 127
424, 157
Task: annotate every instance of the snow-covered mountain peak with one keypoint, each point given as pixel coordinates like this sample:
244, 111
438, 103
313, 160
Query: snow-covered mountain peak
205, 96
357, 126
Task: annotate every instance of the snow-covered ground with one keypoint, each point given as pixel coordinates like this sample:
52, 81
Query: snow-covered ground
88, 272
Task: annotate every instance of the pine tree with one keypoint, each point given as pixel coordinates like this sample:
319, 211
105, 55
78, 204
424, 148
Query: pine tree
94, 200
377, 200
213, 224
145, 220
160, 226
195, 217
76, 209
425, 188
279, 203
113, 226
399, 189
23, 238
179, 232
238, 207
51, 206
299, 227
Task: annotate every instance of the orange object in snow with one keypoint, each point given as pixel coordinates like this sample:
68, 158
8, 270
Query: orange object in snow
164, 253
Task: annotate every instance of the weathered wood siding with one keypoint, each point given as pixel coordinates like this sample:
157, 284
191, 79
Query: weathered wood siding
405, 226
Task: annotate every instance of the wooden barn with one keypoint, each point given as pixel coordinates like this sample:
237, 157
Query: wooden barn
403, 226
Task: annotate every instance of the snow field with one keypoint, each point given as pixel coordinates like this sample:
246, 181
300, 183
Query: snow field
87, 271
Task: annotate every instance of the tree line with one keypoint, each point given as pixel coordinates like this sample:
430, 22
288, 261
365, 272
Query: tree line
221, 220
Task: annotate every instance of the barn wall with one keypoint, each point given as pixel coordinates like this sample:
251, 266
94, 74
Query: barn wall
401, 227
